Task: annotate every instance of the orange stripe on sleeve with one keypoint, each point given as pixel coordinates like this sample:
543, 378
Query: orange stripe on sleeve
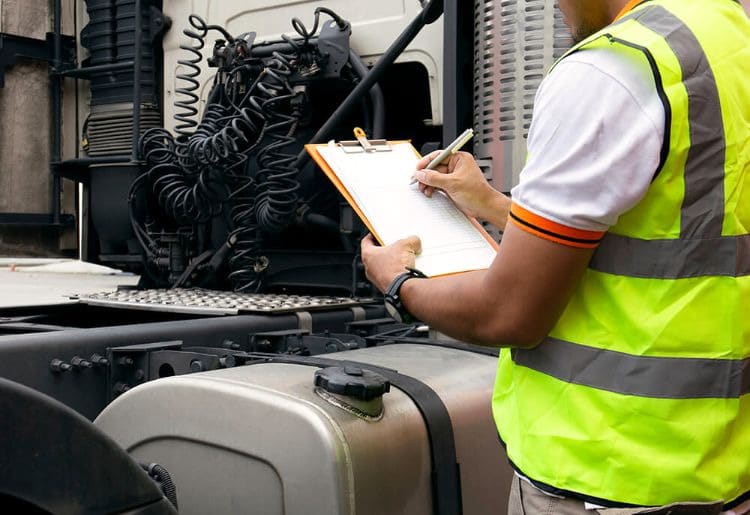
553, 231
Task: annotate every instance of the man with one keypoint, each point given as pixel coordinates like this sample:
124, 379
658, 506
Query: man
622, 283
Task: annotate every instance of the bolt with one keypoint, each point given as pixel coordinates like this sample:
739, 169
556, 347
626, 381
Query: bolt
229, 344
227, 361
126, 361
196, 365
120, 388
80, 363
57, 365
140, 375
98, 360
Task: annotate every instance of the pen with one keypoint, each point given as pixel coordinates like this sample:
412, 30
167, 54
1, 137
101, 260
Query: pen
451, 149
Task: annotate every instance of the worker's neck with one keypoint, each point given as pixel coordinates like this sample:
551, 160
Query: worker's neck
617, 8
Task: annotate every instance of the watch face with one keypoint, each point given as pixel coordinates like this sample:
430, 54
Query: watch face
392, 310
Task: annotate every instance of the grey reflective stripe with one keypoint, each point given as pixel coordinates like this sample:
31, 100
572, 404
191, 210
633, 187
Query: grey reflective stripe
644, 376
672, 259
701, 250
703, 204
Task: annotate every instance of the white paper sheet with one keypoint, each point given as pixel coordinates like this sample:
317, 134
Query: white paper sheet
379, 183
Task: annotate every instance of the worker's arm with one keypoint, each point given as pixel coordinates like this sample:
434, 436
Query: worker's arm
516, 302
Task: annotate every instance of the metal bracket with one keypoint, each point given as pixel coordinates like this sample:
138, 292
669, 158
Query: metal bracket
333, 44
304, 321
130, 365
13, 47
373, 327
300, 342
36, 219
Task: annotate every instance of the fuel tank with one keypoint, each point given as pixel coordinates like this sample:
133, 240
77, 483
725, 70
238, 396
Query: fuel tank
275, 437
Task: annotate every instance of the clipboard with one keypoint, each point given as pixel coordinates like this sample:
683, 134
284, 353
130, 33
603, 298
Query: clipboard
338, 159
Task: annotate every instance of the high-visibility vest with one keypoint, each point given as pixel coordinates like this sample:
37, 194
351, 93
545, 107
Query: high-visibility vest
639, 395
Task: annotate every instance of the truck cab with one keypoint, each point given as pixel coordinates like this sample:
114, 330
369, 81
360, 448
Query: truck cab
240, 361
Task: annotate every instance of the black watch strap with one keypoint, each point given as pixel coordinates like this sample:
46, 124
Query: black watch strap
393, 303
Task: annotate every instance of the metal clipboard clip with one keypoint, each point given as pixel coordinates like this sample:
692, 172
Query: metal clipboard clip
362, 144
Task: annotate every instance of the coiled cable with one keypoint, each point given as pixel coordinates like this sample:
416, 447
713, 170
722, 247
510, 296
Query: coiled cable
187, 96
276, 177
187, 199
205, 171
187, 105
225, 136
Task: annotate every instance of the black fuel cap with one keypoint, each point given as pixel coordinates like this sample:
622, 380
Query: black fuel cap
351, 381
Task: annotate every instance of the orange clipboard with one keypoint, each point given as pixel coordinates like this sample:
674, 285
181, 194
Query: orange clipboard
312, 150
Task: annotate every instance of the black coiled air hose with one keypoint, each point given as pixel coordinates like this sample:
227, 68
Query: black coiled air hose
269, 204
187, 198
225, 136
187, 105
276, 177
187, 95
205, 171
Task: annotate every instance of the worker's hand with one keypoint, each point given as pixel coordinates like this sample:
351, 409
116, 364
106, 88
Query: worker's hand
383, 264
739, 510
462, 180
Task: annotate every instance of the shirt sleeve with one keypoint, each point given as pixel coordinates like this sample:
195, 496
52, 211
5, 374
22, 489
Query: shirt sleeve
594, 147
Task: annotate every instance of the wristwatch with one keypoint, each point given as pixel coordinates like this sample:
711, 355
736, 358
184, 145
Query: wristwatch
393, 304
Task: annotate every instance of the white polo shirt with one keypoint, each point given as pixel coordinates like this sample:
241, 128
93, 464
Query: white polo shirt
594, 147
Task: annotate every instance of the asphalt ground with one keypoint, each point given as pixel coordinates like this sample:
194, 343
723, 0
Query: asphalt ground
33, 282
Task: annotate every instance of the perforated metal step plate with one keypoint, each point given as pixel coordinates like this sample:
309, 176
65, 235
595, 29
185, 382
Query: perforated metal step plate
211, 302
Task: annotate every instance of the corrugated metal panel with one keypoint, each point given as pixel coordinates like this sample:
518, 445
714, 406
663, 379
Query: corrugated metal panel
516, 41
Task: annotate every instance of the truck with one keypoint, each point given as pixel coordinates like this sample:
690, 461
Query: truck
247, 366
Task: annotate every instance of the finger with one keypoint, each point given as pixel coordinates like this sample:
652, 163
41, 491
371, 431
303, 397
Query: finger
426, 159
427, 191
432, 178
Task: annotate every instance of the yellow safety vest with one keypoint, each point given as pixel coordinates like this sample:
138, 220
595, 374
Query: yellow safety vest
639, 395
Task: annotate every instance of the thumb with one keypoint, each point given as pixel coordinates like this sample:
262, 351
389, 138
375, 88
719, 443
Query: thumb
368, 241
413, 243
432, 178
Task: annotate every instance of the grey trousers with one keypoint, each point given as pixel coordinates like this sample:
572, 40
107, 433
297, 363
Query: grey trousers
525, 499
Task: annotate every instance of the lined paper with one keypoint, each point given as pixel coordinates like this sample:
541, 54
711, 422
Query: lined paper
379, 184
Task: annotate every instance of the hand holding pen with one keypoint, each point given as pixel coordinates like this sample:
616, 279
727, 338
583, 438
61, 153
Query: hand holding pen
451, 149
462, 180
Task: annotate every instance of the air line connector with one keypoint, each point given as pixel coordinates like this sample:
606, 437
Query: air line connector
120, 388
58, 365
79, 363
99, 360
